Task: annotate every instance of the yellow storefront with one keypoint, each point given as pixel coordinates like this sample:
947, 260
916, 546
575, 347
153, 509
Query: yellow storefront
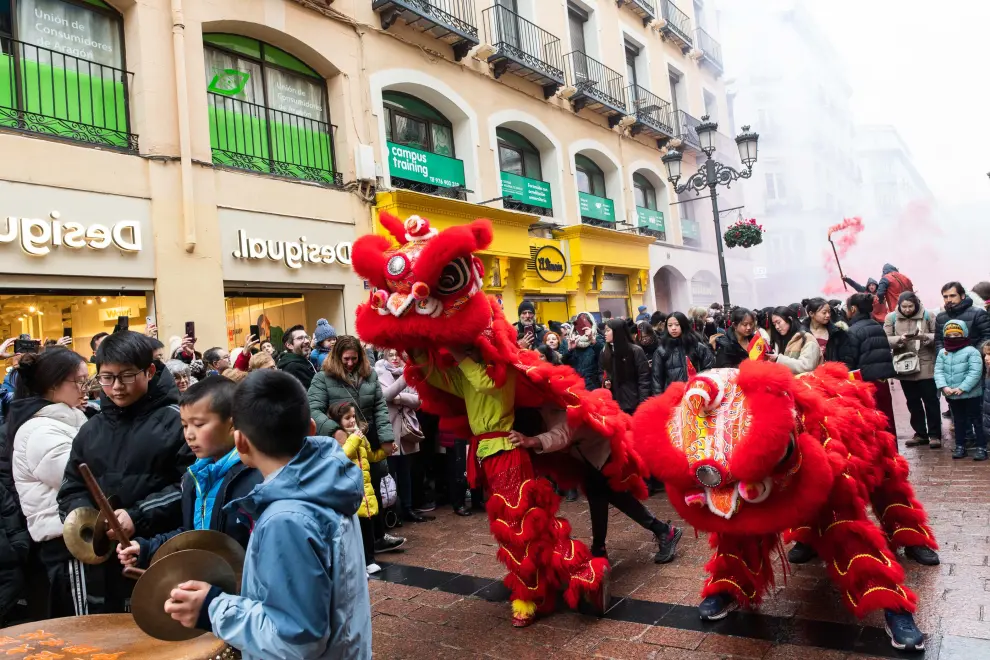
572, 269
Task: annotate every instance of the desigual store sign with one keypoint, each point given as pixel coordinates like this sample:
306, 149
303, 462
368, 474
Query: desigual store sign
52, 231
264, 248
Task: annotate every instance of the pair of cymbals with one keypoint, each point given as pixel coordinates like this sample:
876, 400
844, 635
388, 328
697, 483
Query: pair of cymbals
85, 535
155, 587
203, 555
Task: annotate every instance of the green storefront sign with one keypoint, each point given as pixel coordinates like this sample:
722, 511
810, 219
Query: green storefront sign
598, 208
649, 219
409, 163
527, 191
689, 229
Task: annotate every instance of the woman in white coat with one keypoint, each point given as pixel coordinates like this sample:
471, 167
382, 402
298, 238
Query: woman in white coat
402, 401
793, 346
45, 416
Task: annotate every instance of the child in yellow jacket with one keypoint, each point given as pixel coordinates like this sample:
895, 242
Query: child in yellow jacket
359, 450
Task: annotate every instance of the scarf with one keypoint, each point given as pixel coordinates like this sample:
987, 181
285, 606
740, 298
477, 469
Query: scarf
208, 475
953, 344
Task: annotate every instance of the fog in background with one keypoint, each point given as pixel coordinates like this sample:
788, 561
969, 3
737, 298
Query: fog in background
868, 109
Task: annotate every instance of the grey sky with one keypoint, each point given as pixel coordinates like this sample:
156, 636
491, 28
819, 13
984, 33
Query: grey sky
921, 66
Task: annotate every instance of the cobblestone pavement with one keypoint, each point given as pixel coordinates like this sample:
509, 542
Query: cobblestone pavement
441, 598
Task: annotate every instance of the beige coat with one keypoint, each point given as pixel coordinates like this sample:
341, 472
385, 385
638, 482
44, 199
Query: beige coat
585, 445
802, 353
921, 324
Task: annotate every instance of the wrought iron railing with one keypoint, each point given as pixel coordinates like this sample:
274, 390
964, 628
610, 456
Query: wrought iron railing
711, 48
677, 21
458, 14
686, 125
516, 205
50, 93
595, 80
429, 189
523, 41
647, 6
650, 109
249, 136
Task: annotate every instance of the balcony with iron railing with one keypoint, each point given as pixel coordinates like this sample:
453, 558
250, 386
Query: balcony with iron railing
685, 127
523, 48
676, 25
247, 136
711, 49
49, 93
450, 21
598, 88
654, 116
645, 9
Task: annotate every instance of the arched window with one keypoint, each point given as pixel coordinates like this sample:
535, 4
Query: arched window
421, 147
522, 174
646, 194
590, 177
62, 71
415, 123
268, 110
649, 219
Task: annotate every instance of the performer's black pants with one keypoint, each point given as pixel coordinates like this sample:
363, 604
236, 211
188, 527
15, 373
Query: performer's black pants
600, 495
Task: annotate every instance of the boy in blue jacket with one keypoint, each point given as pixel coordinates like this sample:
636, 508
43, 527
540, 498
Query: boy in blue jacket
959, 374
216, 478
304, 592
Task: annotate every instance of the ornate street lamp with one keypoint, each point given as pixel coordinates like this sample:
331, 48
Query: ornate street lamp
712, 174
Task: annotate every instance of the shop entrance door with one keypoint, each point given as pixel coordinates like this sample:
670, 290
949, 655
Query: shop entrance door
554, 309
275, 311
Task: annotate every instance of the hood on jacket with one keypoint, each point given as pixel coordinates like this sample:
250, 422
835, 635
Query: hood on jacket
957, 310
161, 392
889, 268
312, 476
287, 356
871, 281
582, 321
21, 410
954, 324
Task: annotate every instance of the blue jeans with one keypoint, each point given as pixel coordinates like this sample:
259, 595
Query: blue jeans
968, 413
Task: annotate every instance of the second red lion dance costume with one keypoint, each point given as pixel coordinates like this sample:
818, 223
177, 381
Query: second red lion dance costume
428, 300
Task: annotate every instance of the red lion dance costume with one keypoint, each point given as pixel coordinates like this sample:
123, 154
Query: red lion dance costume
427, 300
752, 453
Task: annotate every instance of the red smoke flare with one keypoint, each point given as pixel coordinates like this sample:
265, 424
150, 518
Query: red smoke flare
845, 235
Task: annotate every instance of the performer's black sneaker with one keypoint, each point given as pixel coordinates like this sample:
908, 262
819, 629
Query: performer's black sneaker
667, 544
389, 543
717, 607
922, 555
462, 511
959, 451
801, 553
904, 634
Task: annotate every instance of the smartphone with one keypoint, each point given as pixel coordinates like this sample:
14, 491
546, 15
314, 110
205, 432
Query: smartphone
26, 346
148, 320
66, 332
191, 329
256, 331
123, 323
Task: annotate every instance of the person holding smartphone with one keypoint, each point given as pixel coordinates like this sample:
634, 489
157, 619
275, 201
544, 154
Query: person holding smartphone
529, 334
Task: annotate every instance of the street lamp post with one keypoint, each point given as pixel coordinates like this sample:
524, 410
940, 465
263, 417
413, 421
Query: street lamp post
712, 174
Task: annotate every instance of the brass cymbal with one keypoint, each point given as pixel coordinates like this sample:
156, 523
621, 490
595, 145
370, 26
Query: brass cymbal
205, 539
83, 537
156, 585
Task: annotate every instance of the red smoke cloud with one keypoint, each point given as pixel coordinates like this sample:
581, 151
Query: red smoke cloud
845, 236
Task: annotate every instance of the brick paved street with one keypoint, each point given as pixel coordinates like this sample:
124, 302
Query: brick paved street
456, 608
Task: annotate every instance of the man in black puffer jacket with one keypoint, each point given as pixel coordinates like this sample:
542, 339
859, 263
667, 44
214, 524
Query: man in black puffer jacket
135, 448
867, 350
960, 307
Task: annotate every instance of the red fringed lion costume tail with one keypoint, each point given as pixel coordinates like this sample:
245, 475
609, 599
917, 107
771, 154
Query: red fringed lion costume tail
756, 453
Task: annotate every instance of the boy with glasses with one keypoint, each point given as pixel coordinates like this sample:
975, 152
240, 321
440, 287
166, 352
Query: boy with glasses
135, 448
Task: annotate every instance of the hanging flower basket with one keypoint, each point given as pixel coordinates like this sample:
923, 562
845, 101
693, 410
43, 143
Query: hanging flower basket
744, 233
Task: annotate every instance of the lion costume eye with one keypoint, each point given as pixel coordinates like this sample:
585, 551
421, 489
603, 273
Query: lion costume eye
397, 266
455, 276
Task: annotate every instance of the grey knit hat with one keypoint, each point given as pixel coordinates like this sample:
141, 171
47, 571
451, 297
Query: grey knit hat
323, 331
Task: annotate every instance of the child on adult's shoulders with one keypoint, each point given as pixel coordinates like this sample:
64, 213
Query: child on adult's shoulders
216, 478
304, 590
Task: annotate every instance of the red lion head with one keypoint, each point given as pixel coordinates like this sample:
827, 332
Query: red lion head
427, 291
732, 449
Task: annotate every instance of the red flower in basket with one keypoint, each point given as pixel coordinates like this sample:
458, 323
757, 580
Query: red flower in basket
744, 233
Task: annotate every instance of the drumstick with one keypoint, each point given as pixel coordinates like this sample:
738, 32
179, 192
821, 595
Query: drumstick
103, 504
133, 572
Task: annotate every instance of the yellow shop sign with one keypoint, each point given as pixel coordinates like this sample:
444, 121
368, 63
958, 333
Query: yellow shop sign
550, 264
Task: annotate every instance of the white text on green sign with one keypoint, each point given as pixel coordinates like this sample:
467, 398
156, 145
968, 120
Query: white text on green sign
649, 219
416, 165
527, 191
598, 208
